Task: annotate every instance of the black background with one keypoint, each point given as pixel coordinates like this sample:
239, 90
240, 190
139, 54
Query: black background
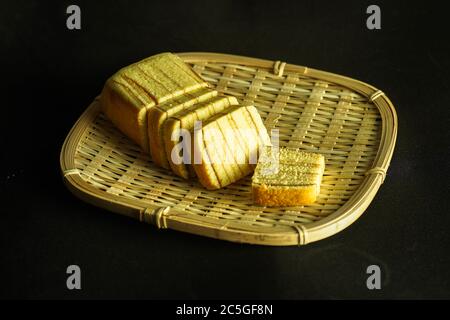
50, 74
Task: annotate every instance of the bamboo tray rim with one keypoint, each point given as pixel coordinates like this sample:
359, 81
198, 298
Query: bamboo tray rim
303, 234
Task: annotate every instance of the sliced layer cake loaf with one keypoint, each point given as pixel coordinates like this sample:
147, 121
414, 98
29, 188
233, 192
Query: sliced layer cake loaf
133, 90
287, 177
225, 148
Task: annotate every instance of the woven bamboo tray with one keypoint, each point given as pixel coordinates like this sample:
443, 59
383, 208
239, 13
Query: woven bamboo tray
351, 123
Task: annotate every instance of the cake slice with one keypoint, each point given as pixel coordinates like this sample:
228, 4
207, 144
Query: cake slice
133, 90
177, 149
217, 163
287, 177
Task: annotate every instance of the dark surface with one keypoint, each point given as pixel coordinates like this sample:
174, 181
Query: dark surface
51, 74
